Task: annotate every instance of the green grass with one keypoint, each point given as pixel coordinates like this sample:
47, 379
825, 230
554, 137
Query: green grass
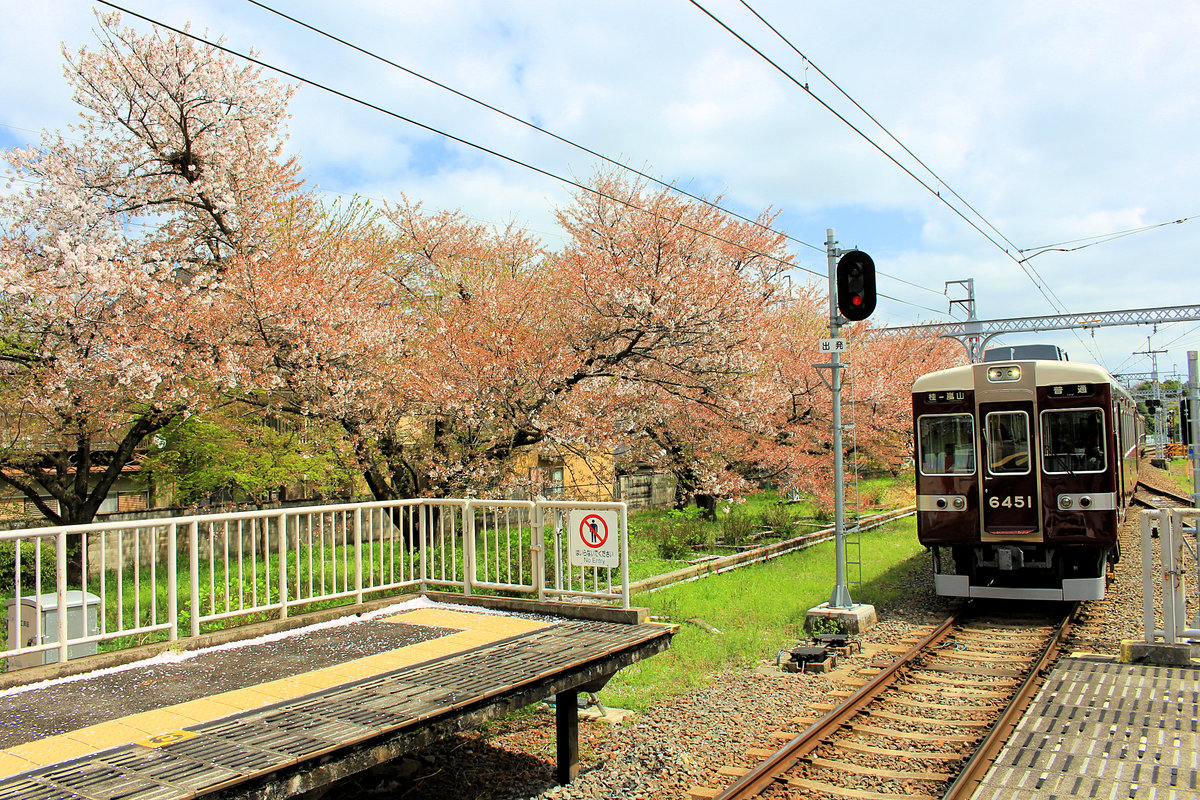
760, 610
1180, 472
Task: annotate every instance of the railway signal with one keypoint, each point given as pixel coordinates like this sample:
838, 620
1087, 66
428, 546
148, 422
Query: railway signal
856, 285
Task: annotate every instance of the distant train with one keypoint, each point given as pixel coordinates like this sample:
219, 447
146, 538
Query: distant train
1024, 470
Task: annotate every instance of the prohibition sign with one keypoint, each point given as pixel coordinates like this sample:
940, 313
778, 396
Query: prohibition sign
594, 537
593, 531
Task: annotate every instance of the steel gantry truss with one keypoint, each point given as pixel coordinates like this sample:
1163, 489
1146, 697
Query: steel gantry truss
976, 333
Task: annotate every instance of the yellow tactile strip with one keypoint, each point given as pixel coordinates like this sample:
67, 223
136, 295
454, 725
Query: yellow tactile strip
473, 629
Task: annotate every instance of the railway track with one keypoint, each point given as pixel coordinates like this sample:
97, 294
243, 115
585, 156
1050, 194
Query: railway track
1159, 494
926, 726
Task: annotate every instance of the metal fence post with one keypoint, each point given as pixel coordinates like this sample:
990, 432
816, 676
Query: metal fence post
358, 562
194, 576
624, 556
172, 579
537, 550
282, 547
424, 541
60, 557
468, 548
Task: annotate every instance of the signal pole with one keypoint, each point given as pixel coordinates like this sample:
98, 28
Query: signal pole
840, 598
855, 274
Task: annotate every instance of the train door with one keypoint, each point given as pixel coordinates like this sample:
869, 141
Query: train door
1010, 501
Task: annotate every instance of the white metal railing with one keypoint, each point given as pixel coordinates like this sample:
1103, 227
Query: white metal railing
165, 578
1177, 544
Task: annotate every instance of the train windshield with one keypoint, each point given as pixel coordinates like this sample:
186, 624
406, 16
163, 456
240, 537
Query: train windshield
1008, 442
947, 444
1073, 440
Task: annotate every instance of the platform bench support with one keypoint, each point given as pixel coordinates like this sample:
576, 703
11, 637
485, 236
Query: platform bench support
566, 718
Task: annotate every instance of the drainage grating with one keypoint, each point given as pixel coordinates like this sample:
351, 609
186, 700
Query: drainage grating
256, 734
102, 782
232, 756
173, 770
26, 789
331, 730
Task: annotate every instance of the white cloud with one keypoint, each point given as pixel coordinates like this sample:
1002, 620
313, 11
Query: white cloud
1056, 120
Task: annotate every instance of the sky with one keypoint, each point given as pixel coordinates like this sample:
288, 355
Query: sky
1040, 122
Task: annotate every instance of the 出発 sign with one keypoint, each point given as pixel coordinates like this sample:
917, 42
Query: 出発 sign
594, 538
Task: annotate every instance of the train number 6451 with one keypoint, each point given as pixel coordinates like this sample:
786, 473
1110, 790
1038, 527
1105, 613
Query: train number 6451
1018, 501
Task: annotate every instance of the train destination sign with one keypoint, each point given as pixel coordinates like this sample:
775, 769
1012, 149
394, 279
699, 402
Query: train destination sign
594, 538
1071, 390
945, 397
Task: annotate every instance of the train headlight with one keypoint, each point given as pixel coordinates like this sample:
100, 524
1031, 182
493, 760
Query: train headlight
1065, 502
959, 504
1004, 374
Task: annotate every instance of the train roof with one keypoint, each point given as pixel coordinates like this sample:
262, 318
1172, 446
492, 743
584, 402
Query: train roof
1046, 373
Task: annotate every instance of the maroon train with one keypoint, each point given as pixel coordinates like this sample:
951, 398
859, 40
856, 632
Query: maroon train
1024, 471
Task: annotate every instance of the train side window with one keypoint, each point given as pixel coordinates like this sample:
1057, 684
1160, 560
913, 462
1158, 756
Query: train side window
947, 443
1008, 442
1073, 441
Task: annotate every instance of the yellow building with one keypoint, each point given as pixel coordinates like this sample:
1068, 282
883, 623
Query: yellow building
558, 474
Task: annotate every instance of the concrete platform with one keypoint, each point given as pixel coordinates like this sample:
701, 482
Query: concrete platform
298, 710
1104, 729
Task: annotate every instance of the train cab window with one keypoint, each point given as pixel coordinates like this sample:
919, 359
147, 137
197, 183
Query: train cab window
1008, 442
1073, 441
947, 444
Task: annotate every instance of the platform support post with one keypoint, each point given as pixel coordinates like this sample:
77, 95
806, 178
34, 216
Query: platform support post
566, 718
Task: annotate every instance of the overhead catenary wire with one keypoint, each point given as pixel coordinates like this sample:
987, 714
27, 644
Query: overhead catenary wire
788, 263
1102, 238
571, 143
1030, 271
473, 145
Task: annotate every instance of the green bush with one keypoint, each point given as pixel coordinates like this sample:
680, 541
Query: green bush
28, 568
737, 529
779, 519
681, 532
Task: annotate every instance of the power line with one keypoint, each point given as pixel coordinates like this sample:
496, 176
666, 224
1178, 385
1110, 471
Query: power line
510, 159
526, 123
294, 76
1102, 238
551, 134
1030, 271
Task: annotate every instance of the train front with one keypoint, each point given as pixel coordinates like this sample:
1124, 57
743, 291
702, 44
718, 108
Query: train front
1018, 475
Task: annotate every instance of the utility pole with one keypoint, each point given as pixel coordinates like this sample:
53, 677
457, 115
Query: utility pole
1159, 415
971, 339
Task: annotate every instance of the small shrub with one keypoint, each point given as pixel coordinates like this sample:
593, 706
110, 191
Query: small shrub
778, 518
737, 529
681, 532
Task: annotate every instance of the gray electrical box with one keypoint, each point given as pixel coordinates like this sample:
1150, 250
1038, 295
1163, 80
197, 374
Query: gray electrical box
82, 608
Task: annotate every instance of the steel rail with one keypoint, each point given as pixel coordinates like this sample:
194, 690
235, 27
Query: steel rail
754, 782
977, 765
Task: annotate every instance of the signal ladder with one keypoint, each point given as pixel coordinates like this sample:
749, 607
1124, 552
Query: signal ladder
851, 504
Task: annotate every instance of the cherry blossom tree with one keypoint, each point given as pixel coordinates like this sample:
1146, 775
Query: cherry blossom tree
654, 296
113, 249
